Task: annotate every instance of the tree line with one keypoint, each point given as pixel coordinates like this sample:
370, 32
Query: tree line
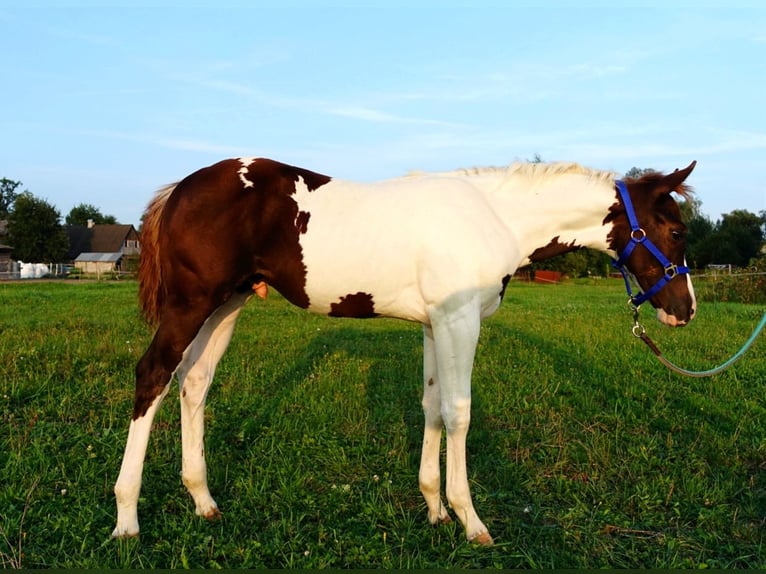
34, 228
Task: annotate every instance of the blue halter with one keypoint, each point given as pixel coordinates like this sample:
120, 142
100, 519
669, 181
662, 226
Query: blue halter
638, 236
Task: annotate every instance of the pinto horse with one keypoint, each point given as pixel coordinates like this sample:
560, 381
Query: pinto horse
436, 248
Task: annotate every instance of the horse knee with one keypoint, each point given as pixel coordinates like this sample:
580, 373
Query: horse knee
194, 385
151, 382
456, 415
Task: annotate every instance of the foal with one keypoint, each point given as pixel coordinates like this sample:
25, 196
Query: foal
437, 248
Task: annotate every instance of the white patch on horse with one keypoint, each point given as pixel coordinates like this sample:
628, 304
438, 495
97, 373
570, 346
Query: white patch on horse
246, 163
350, 245
302, 193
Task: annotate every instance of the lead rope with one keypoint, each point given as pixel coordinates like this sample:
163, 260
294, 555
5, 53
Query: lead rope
639, 332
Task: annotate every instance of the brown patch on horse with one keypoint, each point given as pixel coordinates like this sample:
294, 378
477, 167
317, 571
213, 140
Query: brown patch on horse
207, 238
505, 281
255, 228
302, 221
285, 174
650, 194
555, 247
659, 216
359, 305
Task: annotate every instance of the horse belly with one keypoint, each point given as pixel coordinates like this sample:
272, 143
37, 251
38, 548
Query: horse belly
363, 279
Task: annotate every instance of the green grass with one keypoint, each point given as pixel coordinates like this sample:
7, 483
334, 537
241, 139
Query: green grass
584, 451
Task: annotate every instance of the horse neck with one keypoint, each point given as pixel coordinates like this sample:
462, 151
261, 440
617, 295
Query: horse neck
566, 208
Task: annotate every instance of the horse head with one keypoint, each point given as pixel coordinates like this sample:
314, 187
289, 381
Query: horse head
649, 237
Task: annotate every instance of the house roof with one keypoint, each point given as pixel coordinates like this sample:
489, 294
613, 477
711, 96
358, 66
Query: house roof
99, 257
79, 239
99, 238
109, 237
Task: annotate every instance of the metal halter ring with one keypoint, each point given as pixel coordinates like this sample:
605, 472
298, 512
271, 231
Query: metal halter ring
671, 270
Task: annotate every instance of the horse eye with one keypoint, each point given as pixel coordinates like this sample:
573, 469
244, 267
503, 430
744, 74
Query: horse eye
677, 235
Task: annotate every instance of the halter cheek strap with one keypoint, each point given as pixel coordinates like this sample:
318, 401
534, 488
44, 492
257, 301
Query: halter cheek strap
638, 237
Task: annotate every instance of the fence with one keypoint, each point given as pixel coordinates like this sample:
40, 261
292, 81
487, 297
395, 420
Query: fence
19, 270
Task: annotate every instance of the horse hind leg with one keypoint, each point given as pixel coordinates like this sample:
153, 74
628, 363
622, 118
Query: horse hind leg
179, 326
128, 485
195, 375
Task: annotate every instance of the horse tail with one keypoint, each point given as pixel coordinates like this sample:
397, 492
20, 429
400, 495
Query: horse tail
151, 288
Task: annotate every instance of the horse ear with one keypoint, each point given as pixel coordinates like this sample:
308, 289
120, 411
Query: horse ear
673, 181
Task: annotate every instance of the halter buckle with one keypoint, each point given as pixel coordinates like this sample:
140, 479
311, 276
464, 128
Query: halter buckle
671, 270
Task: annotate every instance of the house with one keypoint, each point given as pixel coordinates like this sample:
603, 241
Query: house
7, 267
104, 248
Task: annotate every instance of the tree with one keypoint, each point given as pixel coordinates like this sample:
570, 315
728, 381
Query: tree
739, 237
578, 263
691, 208
80, 214
35, 231
734, 239
636, 172
7, 195
700, 236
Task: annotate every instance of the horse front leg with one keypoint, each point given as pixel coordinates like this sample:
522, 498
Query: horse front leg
195, 375
430, 476
456, 328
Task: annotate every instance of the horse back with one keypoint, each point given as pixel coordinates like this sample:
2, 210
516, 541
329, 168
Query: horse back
332, 246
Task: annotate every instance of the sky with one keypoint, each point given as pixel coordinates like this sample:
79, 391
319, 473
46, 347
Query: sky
104, 102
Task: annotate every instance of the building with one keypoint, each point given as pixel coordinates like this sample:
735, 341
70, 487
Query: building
7, 267
97, 249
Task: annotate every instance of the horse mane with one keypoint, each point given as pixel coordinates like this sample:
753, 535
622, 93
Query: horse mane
530, 170
539, 170
151, 290
545, 170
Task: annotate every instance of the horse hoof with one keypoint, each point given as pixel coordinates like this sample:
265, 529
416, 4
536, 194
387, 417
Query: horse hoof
483, 539
212, 515
119, 534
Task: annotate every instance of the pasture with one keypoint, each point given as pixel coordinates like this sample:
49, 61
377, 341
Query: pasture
583, 452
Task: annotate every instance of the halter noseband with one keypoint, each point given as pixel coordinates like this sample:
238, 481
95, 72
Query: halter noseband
638, 236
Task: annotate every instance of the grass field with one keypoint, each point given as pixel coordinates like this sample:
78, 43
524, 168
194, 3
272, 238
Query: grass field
583, 452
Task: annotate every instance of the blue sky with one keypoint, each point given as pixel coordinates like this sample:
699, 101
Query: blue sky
103, 102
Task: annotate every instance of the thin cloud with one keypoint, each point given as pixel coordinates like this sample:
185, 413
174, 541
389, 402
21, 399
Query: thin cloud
718, 143
201, 146
590, 70
377, 116
360, 112
184, 144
